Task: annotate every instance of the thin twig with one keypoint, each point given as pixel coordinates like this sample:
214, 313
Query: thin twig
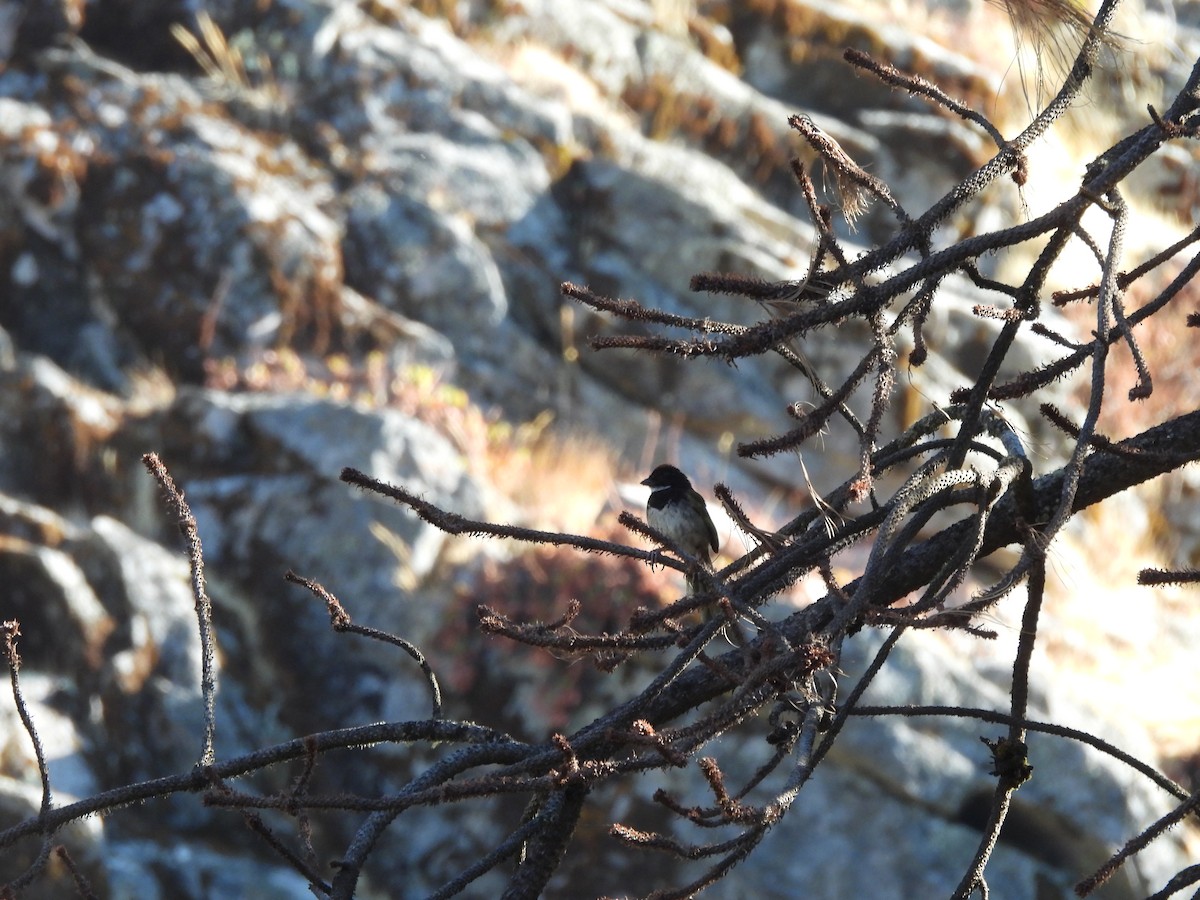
1140, 842
340, 619
187, 526
10, 630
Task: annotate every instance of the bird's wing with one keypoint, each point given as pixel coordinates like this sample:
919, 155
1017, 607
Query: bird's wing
713, 540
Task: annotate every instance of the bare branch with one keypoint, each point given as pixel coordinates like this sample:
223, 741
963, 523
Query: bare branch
340, 619
187, 527
10, 630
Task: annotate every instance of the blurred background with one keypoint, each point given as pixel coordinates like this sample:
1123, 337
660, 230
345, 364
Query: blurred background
268, 239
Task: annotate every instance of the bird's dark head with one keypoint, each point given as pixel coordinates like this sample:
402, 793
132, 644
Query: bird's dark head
666, 476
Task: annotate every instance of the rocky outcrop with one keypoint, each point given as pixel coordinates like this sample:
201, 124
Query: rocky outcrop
321, 234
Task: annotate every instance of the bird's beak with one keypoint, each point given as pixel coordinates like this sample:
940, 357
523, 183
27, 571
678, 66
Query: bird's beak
645, 481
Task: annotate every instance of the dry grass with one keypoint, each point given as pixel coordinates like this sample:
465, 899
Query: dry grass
226, 65
541, 477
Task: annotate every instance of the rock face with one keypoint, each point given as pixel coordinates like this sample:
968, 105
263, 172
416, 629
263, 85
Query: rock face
319, 234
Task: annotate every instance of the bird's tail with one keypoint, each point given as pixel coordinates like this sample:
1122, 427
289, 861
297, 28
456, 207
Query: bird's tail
696, 584
696, 581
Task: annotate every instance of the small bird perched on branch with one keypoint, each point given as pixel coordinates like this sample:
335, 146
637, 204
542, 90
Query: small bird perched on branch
676, 510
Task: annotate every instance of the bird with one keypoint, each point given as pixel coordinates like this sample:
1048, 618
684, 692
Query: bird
678, 512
